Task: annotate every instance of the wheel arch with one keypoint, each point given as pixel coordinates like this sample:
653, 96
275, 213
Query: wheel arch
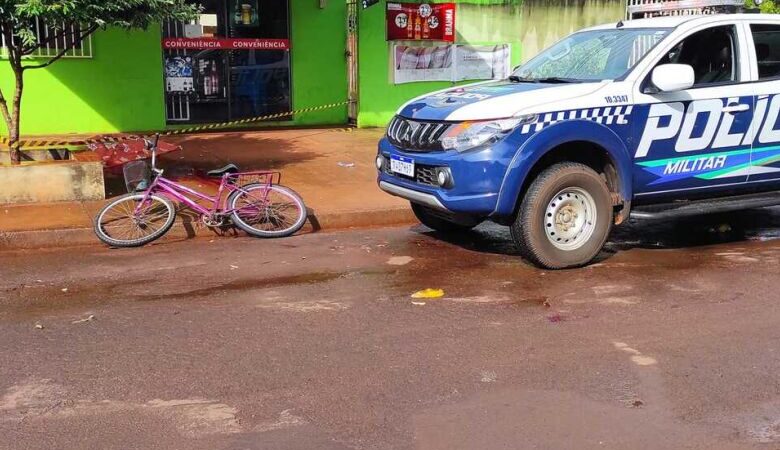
586, 142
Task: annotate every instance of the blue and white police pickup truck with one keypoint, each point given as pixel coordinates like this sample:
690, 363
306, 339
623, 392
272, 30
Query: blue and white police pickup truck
647, 118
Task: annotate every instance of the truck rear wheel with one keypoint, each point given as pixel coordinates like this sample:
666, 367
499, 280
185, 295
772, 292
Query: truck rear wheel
442, 222
565, 217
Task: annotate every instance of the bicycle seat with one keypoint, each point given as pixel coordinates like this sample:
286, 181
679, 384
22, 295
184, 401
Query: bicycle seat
216, 173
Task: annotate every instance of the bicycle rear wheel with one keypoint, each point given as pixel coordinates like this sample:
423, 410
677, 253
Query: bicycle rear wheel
267, 211
122, 223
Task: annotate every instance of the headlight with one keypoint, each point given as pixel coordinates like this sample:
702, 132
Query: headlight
467, 135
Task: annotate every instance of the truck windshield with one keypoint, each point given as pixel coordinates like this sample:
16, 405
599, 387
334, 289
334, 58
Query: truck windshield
593, 55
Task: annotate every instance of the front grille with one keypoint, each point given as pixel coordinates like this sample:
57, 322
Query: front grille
423, 173
416, 135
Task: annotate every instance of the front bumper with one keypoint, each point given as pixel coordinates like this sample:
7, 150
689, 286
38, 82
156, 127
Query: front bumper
415, 196
477, 176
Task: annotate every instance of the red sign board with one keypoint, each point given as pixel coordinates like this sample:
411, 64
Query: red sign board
421, 21
179, 43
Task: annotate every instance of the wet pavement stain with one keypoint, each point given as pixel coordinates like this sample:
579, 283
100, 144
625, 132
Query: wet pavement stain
38, 301
250, 284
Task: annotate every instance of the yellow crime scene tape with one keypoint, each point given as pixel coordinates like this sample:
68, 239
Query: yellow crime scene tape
42, 144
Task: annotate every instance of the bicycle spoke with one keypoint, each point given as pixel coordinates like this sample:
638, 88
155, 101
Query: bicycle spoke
134, 218
116, 230
273, 211
152, 228
160, 215
130, 207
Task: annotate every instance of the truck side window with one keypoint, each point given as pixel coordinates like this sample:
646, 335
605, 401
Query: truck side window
766, 39
711, 54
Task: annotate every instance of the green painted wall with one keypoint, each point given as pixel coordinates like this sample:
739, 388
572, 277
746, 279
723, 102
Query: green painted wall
119, 89
528, 25
319, 67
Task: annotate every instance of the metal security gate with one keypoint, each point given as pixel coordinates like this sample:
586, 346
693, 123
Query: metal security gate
352, 59
177, 105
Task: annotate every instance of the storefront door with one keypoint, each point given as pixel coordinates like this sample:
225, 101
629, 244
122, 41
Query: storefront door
234, 63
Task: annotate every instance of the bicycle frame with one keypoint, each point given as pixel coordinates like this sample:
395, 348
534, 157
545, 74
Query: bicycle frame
229, 183
184, 194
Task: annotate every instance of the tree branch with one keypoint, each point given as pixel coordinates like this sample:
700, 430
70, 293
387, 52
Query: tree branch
64, 51
8, 35
30, 50
4, 110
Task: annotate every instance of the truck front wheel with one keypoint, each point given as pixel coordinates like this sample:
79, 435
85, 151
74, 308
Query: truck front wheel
564, 218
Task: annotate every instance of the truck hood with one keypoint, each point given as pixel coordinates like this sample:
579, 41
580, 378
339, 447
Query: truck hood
491, 100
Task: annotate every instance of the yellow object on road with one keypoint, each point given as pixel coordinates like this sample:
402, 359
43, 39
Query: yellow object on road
429, 293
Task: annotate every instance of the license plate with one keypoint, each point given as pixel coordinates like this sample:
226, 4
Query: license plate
402, 165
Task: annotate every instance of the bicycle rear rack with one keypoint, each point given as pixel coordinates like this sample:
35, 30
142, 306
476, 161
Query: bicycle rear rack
264, 177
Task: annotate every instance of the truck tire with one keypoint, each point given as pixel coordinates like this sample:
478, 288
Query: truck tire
439, 222
564, 218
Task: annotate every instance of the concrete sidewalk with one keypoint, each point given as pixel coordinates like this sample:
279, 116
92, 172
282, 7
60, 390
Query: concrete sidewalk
332, 169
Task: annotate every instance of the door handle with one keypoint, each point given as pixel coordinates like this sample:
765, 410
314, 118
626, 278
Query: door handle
736, 107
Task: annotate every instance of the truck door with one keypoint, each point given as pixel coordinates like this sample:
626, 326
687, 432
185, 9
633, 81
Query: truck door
765, 50
695, 139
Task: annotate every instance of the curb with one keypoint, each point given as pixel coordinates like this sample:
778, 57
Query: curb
185, 228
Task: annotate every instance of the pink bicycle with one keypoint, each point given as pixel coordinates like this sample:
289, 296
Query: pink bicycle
253, 201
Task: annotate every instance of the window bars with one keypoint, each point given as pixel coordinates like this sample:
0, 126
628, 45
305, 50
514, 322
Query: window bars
54, 39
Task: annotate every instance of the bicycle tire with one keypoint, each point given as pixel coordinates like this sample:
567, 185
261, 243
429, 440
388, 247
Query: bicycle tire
103, 235
300, 220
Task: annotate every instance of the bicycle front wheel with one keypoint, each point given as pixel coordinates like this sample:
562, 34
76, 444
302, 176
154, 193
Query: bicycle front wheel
131, 221
267, 211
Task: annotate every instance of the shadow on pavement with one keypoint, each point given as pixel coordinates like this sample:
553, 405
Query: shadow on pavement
487, 238
249, 151
737, 226
204, 152
700, 230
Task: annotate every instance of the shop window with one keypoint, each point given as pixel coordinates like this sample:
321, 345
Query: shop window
234, 80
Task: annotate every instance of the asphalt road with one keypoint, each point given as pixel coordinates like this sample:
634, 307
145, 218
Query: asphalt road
670, 341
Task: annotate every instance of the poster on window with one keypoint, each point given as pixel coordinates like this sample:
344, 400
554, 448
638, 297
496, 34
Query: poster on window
450, 63
210, 83
244, 13
178, 74
421, 21
422, 63
483, 62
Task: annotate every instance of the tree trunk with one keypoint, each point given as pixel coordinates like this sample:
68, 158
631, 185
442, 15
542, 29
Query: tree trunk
15, 125
11, 113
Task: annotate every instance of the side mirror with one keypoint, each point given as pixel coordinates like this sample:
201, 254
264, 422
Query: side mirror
673, 77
